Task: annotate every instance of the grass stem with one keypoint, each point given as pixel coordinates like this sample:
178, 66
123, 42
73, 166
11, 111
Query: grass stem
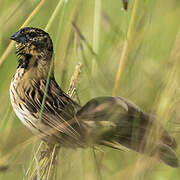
125, 51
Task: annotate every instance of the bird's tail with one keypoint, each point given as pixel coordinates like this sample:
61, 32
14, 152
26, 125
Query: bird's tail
117, 123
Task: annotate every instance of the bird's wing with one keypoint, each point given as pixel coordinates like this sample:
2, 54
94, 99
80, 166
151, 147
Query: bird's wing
122, 116
115, 120
103, 115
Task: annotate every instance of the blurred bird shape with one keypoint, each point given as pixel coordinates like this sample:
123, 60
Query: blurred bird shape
52, 115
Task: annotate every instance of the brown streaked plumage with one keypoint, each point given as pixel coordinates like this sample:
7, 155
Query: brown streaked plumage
51, 114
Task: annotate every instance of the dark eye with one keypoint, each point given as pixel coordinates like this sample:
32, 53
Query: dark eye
32, 34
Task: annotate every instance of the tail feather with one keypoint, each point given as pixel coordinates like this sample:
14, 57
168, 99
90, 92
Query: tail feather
167, 155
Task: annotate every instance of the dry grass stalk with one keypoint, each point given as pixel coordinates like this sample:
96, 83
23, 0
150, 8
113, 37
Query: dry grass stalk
125, 51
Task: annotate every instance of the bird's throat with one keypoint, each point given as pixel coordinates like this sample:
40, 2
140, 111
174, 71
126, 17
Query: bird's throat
24, 61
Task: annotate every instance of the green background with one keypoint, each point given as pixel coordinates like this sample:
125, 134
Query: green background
150, 77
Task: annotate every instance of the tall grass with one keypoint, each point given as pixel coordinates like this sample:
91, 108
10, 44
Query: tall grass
133, 53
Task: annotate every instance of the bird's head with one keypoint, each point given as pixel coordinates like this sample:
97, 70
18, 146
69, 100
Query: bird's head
33, 43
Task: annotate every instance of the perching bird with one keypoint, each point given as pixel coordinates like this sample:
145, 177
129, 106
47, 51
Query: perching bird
50, 113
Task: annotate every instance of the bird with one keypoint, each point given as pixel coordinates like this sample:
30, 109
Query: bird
44, 108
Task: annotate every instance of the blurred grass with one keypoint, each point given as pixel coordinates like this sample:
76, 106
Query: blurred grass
150, 77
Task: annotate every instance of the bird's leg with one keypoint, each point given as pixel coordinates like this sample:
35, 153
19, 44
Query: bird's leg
49, 151
47, 162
